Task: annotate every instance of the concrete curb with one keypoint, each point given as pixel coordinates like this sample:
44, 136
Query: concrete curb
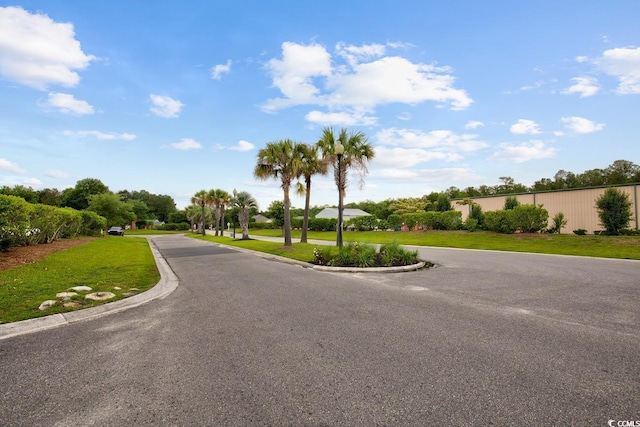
167, 284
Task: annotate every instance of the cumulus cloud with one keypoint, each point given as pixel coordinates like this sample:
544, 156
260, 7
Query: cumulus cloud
524, 152
364, 79
218, 70
473, 124
405, 148
581, 125
111, 136
445, 140
11, 166
186, 144
624, 64
243, 146
583, 86
67, 103
165, 106
525, 127
37, 51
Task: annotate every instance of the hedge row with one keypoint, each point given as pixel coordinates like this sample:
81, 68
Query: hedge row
23, 223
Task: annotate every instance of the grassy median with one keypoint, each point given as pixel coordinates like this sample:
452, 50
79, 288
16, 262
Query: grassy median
104, 264
624, 247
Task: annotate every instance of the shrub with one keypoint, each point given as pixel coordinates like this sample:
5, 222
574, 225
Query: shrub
499, 221
614, 210
471, 224
394, 221
580, 232
449, 220
477, 214
323, 224
364, 255
530, 218
510, 203
363, 223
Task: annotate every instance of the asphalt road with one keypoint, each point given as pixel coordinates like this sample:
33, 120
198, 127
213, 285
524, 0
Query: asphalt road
485, 338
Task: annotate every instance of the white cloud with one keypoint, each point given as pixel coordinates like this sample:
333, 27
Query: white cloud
396, 80
444, 140
57, 174
10, 166
186, 144
584, 86
354, 54
101, 135
218, 70
624, 64
405, 116
342, 118
37, 51
581, 59
581, 125
473, 124
524, 152
69, 104
243, 146
398, 157
525, 127
165, 106
305, 76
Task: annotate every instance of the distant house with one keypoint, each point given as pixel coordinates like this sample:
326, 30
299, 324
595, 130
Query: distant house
347, 214
261, 218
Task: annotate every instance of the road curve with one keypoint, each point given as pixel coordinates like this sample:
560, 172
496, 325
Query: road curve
484, 338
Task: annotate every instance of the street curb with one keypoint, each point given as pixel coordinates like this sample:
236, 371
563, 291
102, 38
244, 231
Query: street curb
167, 284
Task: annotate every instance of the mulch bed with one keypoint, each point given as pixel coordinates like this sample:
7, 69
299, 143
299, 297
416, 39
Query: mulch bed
23, 255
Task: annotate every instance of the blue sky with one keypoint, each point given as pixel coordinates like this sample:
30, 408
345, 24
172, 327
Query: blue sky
173, 97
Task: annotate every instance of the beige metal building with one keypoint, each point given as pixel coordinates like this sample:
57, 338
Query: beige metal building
577, 205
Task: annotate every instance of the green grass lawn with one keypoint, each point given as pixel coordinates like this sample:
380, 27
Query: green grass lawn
299, 251
102, 264
626, 247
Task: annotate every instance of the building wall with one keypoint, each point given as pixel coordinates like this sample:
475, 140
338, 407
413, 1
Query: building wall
578, 206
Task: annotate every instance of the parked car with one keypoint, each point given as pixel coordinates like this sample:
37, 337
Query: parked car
116, 231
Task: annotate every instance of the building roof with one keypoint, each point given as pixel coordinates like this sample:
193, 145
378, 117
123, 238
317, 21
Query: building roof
346, 213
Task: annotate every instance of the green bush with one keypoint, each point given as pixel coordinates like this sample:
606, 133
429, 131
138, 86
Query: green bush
471, 224
614, 210
580, 232
364, 255
530, 218
323, 224
499, 221
363, 223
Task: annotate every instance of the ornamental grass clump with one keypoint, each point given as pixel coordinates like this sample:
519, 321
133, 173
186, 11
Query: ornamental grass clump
364, 255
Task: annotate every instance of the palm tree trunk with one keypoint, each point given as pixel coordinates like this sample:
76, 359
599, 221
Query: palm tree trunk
222, 220
287, 219
305, 221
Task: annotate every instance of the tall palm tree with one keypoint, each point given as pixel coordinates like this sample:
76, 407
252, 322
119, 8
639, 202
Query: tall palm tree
219, 199
244, 202
201, 198
358, 152
312, 164
281, 159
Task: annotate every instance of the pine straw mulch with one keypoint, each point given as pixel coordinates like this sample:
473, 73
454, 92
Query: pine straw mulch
23, 255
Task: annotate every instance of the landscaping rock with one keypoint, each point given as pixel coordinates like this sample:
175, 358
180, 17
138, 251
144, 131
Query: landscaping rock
71, 305
100, 296
81, 289
66, 295
47, 304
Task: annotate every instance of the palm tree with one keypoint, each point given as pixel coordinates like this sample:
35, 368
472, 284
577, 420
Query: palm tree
357, 154
312, 164
244, 202
201, 198
281, 159
219, 199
